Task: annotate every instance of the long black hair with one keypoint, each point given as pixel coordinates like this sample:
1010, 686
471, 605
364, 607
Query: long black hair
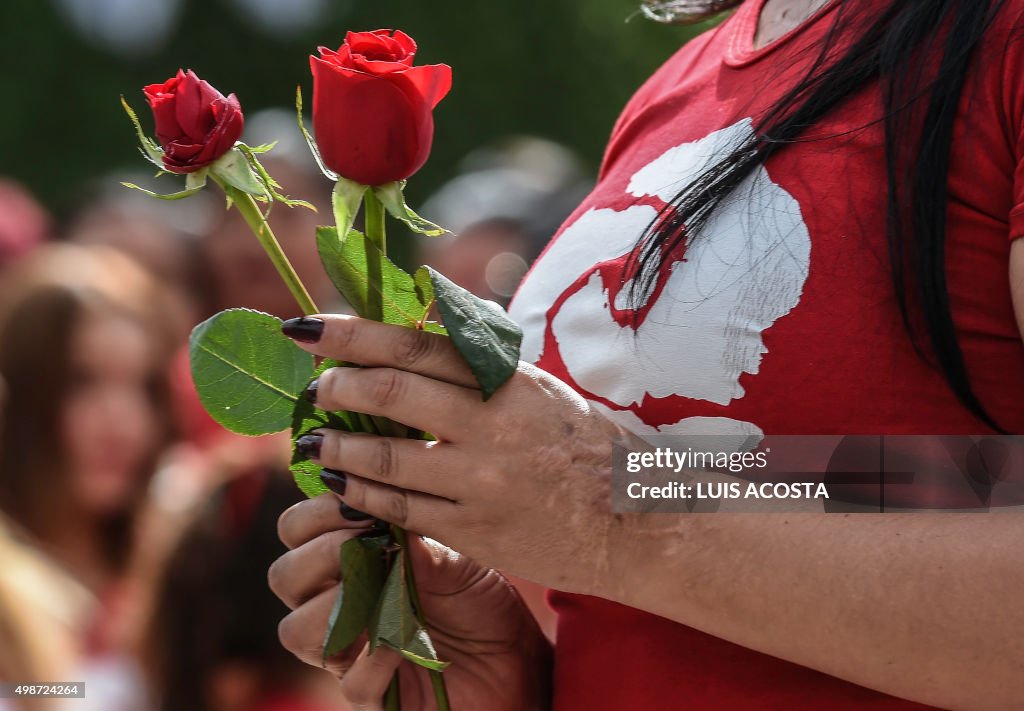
920, 52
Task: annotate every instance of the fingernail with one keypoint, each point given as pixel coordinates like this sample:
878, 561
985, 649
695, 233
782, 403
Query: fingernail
309, 445
305, 329
310, 392
351, 514
334, 480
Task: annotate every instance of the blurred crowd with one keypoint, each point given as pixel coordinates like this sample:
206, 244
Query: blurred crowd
135, 534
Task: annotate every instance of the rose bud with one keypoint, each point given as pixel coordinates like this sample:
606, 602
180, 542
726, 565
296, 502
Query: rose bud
195, 123
372, 109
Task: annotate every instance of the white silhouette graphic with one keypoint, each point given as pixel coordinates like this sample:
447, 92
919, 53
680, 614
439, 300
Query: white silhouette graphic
744, 271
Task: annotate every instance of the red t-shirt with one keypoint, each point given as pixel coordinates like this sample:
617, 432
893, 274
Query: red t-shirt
778, 319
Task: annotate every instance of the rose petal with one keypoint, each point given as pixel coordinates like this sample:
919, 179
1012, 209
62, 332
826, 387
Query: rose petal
374, 45
382, 46
228, 128
407, 43
377, 67
367, 128
188, 106
164, 118
432, 82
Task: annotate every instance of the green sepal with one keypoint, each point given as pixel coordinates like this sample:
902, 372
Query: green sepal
314, 149
262, 148
480, 330
272, 186
247, 372
194, 182
345, 200
395, 625
393, 199
148, 146
404, 300
235, 169
364, 571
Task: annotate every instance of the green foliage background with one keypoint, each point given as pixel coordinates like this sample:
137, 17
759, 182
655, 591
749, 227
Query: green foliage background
556, 68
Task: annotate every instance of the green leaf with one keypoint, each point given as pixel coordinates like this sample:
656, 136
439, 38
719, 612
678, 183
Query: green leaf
390, 194
364, 570
480, 330
394, 622
306, 417
345, 200
404, 303
331, 175
247, 372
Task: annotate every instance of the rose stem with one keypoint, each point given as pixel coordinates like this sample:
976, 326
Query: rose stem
258, 224
436, 677
377, 236
393, 698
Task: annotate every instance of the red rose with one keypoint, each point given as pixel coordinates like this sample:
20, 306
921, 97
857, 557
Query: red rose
195, 123
373, 110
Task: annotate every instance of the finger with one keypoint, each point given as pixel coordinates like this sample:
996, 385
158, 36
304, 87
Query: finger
374, 344
418, 512
311, 518
414, 400
303, 573
302, 634
367, 680
427, 467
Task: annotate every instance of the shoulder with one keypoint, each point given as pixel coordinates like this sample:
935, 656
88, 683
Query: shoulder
663, 80
997, 63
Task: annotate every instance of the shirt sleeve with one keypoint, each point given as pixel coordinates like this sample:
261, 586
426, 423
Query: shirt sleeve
1013, 56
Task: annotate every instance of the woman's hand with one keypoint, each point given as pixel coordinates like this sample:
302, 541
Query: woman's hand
519, 483
500, 659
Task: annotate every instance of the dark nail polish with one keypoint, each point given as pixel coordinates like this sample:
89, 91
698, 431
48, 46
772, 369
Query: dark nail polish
309, 445
305, 329
351, 514
310, 392
334, 480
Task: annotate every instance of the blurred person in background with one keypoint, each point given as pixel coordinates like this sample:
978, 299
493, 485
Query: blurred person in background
37, 616
83, 351
212, 642
507, 200
240, 273
162, 239
24, 224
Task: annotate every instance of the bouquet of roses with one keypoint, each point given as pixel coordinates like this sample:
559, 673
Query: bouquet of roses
373, 126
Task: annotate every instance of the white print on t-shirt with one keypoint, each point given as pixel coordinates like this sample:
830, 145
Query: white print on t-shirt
745, 270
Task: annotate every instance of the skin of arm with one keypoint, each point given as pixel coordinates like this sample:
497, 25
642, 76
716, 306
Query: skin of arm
923, 606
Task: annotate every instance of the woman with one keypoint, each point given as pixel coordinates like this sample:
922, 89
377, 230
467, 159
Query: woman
848, 176
36, 606
83, 353
211, 644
